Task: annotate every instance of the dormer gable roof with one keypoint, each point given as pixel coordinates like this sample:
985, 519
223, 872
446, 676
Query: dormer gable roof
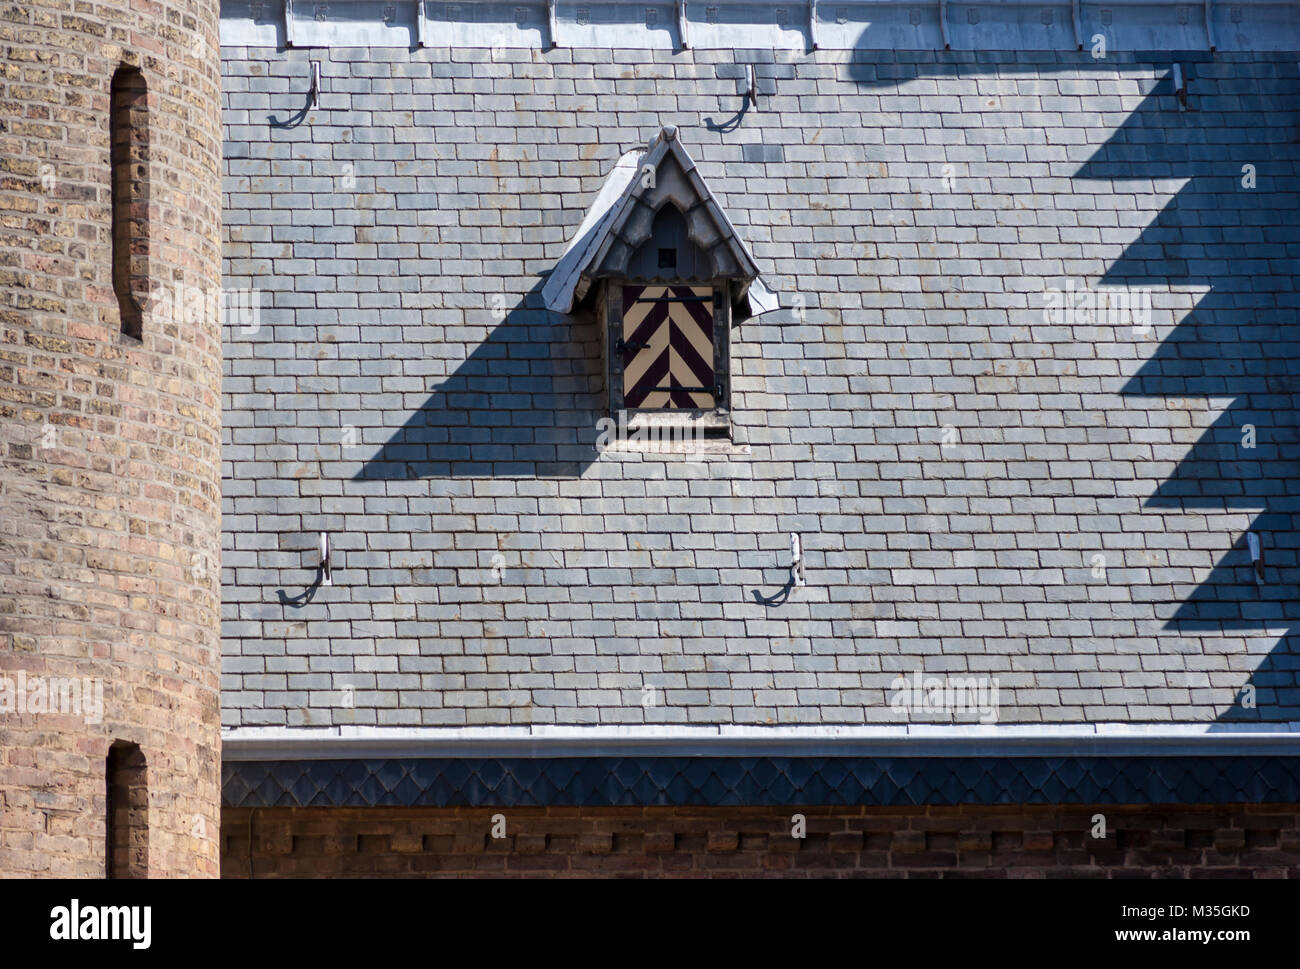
621, 220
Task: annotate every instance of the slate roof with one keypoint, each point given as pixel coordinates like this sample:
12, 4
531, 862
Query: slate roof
980, 491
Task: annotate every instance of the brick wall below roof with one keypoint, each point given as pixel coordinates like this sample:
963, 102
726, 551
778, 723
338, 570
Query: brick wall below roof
1012, 841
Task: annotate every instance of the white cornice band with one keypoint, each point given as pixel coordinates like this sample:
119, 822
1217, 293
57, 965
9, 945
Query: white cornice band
910, 740
796, 25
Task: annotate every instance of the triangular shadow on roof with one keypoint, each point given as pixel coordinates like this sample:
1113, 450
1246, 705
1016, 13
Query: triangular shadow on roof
1221, 470
524, 403
1229, 598
1270, 694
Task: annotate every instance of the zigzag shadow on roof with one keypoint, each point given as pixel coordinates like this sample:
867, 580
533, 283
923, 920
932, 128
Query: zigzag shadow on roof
1270, 695
1229, 598
1219, 472
1238, 342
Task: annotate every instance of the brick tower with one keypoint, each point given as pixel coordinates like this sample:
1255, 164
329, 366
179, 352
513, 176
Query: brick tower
110, 369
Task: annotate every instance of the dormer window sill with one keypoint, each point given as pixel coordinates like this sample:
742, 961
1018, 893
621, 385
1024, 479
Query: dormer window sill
709, 447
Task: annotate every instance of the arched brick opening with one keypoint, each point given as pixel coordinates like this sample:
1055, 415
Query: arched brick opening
127, 850
129, 134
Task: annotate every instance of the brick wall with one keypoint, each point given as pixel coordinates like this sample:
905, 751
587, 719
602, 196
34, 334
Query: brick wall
1260, 841
109, 446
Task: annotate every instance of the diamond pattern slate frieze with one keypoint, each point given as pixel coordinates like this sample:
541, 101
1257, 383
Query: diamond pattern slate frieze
685, 781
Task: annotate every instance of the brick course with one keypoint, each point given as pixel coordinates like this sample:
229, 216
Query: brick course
1190, 841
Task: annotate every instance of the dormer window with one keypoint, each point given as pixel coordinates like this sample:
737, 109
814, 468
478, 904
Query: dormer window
670, 325
669, 351
664, 271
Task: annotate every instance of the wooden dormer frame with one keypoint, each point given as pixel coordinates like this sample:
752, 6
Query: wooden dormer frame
608, 252
712, 421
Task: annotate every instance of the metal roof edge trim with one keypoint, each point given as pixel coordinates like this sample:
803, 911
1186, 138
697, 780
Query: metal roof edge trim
331, 743
975, 25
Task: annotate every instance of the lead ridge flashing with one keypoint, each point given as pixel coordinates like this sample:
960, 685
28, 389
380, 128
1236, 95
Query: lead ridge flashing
1007, 25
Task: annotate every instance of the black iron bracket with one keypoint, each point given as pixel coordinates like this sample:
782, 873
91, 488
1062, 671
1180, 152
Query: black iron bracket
715, 390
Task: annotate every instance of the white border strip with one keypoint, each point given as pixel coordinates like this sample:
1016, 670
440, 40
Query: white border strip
902, 740
793, 25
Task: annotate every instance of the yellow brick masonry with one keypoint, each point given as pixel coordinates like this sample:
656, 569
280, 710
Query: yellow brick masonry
109, 446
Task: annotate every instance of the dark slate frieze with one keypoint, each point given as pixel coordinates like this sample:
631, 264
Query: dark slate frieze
721, 781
